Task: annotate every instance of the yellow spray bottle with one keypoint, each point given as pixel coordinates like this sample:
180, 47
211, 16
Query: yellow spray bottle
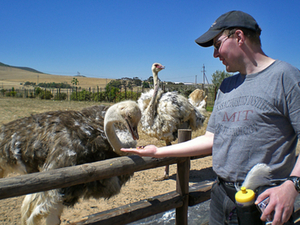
245, 197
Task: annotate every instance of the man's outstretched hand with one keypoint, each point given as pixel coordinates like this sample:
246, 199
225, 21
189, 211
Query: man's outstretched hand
148, 150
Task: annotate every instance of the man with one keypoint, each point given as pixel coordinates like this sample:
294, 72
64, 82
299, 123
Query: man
256, 119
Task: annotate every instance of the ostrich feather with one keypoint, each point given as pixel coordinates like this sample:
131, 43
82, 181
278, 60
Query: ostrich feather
259, 175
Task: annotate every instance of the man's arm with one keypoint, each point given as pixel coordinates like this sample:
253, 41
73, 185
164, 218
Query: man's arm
201, 145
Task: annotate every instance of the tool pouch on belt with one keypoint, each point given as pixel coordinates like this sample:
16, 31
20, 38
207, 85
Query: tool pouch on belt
248, 215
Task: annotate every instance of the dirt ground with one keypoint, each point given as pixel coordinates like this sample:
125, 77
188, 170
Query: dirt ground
140, 187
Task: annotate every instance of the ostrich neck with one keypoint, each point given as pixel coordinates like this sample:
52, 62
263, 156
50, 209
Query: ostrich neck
112, 136
156, 86
155, 78
150, 111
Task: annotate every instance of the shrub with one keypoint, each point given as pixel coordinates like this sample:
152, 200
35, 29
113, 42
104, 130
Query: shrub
46, 95
43, 94
81, 95
37, 91
3, 91
99, 96
19, 95
31, 95
54, 85
11, 93
27, 83
60, 96
111, 93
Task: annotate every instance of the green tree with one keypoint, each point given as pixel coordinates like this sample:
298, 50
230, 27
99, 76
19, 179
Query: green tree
150, 80
145, 84
115, 83
112, 89
75, 81
217, 78
130, 84
137, 81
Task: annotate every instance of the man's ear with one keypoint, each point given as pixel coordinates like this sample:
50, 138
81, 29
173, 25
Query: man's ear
240, 37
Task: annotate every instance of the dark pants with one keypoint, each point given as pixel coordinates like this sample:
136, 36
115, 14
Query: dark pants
223, 210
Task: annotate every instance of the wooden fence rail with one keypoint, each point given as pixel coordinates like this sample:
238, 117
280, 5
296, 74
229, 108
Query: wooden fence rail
69, 176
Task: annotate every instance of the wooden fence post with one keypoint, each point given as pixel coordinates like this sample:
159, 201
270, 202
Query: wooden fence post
182, 181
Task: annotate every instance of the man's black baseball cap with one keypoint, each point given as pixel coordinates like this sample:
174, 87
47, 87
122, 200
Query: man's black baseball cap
228, 20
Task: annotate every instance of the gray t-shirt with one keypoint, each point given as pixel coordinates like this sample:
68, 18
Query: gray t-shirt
256, 119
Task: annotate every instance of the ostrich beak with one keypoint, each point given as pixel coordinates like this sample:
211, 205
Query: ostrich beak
135, 134
133, 130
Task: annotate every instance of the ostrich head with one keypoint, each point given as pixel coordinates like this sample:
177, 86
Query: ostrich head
156, 67
126, 112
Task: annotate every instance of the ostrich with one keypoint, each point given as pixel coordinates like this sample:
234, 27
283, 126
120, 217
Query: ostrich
59, 139
198, 99
164, 113
202, 105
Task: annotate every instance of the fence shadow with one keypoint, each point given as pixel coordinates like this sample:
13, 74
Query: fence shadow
206, 174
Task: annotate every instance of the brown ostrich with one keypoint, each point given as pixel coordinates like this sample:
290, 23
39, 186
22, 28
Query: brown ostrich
198, 99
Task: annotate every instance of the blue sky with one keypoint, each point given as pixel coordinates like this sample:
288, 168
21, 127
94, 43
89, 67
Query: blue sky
122, 38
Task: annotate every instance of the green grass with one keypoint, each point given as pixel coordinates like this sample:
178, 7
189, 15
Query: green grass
209, 108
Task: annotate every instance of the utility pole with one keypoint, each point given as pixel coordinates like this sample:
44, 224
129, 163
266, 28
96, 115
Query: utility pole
195, 79
204, 76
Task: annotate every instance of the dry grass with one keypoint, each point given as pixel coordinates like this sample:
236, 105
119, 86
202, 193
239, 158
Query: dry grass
13, 77
15, 108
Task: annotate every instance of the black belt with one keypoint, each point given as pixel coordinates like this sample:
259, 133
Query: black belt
230, 184
229, 187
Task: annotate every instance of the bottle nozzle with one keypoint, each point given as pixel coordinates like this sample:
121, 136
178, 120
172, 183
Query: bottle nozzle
243, 189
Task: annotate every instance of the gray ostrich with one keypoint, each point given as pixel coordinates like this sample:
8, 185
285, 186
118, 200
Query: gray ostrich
59, 139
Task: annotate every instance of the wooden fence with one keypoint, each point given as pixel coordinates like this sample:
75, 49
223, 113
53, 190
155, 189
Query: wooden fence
65, 177
69, 176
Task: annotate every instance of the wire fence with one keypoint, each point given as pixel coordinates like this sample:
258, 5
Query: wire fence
99, 94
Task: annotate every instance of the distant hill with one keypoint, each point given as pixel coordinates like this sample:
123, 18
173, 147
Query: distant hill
20, 67
14, 76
